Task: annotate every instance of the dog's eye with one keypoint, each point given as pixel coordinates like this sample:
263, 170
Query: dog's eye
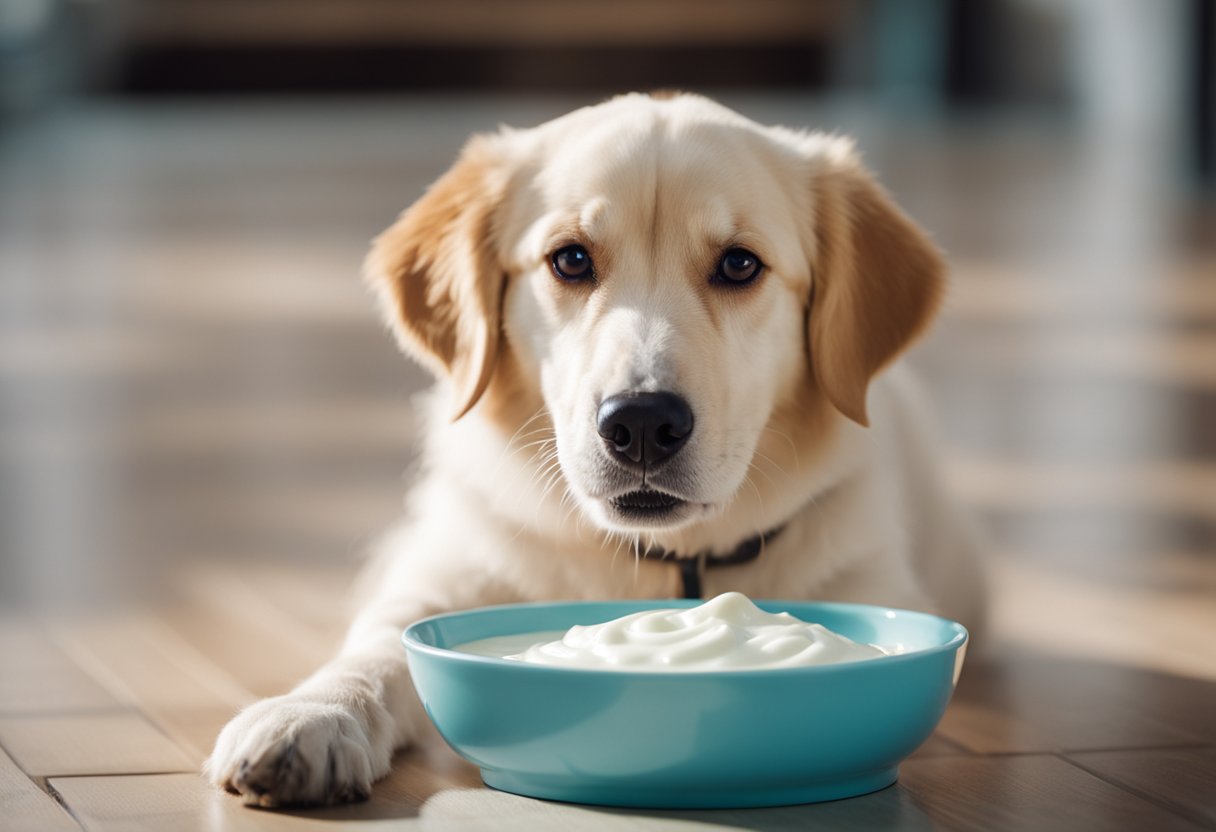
572, 263
738, 266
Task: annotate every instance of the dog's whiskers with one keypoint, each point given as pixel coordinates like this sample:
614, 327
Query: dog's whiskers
541, 473
507, 449
759, 498
571, 506
557, 469
546, 462
534, 444
790, 441
620, 541
582, 522
651, 543
773, 463
546, 475
751, 466
510, 449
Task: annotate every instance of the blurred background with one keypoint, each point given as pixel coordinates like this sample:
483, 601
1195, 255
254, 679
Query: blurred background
191, 372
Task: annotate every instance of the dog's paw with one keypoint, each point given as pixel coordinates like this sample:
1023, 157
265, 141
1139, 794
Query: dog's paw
290, 752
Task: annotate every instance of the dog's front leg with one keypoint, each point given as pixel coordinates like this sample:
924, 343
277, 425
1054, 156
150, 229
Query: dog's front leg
328, 739
335, 734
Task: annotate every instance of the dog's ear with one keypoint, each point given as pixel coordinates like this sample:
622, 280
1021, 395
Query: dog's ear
876, 282
438, 274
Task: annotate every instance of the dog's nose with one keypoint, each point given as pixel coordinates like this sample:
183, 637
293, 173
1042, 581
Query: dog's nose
644, 428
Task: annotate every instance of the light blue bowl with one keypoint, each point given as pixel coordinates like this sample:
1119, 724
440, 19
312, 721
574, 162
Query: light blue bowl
737, 738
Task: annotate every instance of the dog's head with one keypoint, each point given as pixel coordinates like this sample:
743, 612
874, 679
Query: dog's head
670, 280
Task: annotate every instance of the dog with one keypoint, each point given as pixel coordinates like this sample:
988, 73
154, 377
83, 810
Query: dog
663, 337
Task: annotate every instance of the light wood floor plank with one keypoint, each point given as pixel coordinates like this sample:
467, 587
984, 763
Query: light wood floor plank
26, 808
36, 677
110, 743
265, 652
156, 802
431, 788
185, 801
149, 666
107, 804
315, 601
264, 609
486, 810
427, 768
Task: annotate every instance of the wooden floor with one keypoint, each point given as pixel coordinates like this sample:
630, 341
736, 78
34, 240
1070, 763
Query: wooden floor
201, 426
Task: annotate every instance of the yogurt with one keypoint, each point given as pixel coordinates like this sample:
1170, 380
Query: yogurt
728, 632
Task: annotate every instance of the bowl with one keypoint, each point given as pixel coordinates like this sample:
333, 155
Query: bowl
686, 740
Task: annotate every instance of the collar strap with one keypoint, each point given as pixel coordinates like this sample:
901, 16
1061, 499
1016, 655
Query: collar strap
692, 569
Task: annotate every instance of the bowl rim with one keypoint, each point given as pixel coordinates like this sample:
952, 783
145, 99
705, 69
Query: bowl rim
412, 643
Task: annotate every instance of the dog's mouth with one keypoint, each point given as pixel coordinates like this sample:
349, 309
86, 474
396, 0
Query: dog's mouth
645, 504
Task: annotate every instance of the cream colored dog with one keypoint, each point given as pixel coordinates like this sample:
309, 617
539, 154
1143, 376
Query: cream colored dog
658, 328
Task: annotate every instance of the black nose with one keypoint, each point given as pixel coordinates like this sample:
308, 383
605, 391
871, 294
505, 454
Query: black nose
644, 428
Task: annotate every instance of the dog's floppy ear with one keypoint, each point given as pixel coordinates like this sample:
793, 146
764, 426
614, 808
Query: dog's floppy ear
876, 283
438, 274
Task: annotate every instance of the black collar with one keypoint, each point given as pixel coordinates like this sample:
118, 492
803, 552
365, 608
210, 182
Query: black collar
692, 568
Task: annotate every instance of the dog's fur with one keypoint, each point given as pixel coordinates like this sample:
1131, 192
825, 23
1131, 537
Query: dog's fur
794, 426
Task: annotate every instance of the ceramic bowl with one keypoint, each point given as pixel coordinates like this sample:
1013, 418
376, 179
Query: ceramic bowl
732, 738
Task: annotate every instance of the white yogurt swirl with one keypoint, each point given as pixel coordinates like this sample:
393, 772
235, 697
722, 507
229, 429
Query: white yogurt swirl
725, 633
